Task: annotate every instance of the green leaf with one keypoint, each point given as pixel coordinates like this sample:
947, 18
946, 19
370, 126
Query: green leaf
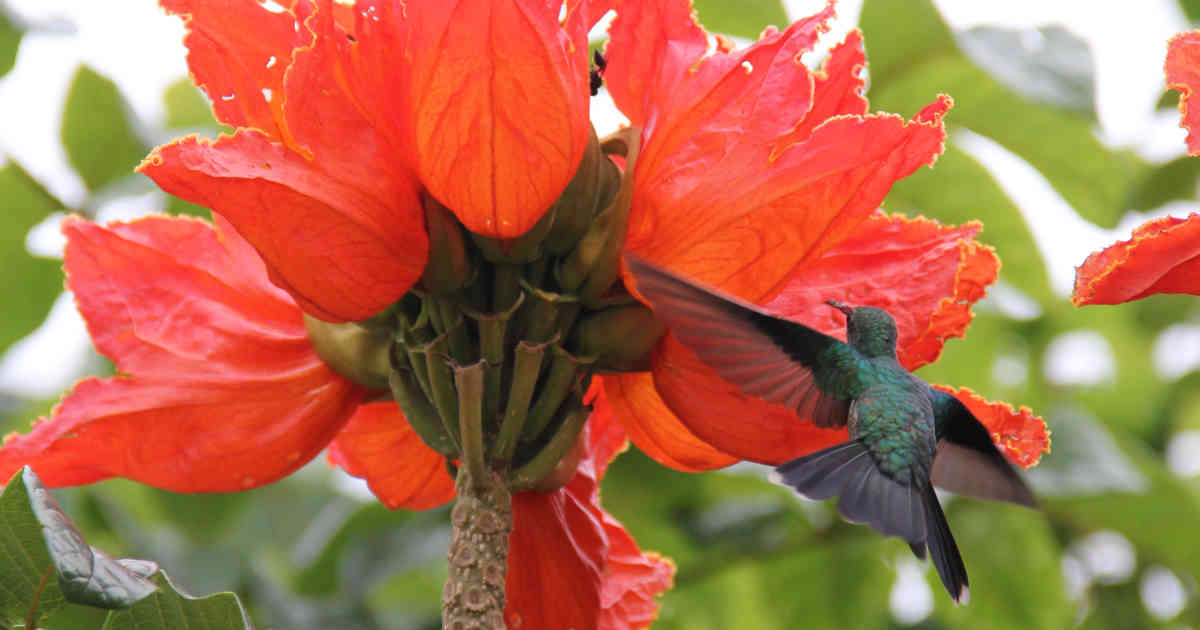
1047, 64
959, 189
1174, 181
187, 106
31, 283
171, 608
741, 19
913, 57
1191, 9
1169, 100
10, 39
99, 130
41, 541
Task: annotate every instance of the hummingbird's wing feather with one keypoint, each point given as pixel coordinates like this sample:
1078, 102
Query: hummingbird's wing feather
967, 461
765, 356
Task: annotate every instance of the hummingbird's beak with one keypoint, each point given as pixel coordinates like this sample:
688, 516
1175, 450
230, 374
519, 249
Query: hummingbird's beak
841, 307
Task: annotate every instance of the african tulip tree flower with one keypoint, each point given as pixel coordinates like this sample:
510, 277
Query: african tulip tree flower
435, 204
761, 178
221, 390
1163, 255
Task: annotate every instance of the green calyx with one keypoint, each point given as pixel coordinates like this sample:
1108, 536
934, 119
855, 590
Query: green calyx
490, 356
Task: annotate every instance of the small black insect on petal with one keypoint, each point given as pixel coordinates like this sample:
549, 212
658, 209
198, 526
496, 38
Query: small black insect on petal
596, 74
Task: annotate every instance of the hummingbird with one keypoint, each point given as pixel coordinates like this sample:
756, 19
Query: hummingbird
905, 436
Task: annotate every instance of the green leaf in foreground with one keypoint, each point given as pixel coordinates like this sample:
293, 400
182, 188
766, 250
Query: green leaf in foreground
98, 130
39, 540
30, 283
171, 608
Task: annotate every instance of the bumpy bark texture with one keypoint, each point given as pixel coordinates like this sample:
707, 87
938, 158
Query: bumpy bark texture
473, 598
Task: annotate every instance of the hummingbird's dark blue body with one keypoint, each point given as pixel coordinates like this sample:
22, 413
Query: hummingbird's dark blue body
905, 436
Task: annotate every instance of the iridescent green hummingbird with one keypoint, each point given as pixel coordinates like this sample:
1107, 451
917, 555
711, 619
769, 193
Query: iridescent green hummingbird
905, 436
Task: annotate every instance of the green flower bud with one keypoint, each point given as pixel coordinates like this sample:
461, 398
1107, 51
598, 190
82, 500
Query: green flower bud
594, 265
357, 353
621, 338
448, 267
590, 191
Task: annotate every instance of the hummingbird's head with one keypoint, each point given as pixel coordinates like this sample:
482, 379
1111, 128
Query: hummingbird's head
871, 331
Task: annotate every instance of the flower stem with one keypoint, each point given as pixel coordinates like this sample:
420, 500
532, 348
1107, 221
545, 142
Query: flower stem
478, 558
469, 382
532, 472
525, 376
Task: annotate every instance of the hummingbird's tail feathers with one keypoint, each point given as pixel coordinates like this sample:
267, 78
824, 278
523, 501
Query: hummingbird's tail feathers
944, 550
894, 508
822, 474
866, 494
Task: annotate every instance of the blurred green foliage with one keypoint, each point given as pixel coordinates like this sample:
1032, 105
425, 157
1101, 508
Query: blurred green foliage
36, 280
98, 130
10, 39
300, 554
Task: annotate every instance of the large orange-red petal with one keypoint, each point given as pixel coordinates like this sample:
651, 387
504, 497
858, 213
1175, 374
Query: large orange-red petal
925, 274
1163, 256
749, 226
838, 87
223, 391
745, 169
1182, 68
718, 413
238, 51
636, 579
1021, 436
379, 446
571, 564
492, 97
654, 428
344, 251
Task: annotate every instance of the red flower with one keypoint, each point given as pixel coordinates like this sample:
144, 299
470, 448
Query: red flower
221, 391
1163, 255
409, 94
753, 174
762, 178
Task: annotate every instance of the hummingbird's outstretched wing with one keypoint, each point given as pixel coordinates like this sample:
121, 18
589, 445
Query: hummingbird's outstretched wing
907, 508
967, 461
765, 356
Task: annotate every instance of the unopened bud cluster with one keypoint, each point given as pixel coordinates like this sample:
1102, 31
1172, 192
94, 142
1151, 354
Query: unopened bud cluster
490, 355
